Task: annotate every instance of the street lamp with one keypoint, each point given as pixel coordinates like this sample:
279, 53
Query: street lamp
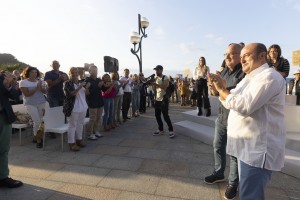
136, 38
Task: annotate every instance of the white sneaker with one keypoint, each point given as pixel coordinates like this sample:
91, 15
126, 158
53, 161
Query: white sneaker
98, 135
92, 137
158, 132
171, 134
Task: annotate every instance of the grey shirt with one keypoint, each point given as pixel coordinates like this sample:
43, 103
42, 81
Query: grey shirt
232, 78
37, 98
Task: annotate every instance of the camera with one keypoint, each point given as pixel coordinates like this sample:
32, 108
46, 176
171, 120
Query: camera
150, 79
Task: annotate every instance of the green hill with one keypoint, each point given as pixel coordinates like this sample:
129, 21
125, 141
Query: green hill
9, 62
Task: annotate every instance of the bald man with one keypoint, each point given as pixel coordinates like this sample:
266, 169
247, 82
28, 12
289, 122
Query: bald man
256, 131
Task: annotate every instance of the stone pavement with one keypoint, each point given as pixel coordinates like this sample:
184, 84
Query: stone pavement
128, 163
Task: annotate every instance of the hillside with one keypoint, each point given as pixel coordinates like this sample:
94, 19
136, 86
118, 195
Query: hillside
10, 63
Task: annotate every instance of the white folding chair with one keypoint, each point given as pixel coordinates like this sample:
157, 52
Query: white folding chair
23, 110
54, 121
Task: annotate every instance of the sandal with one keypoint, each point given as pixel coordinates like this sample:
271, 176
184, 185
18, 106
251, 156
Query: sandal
10, 183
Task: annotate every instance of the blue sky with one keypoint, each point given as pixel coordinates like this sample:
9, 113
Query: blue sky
75, 32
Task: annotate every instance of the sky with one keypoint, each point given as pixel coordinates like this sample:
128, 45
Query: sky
75, 32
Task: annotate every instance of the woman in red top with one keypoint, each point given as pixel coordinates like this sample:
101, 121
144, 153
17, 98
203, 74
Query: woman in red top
108, 93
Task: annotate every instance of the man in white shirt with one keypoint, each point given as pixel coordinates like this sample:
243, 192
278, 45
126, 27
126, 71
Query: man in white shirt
256, 130
126, 82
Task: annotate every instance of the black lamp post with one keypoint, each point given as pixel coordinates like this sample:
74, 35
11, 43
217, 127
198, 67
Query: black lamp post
136, 38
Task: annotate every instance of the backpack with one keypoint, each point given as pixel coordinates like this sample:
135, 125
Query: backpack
170, 89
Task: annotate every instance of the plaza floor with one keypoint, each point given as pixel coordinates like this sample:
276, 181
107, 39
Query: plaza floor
127, 163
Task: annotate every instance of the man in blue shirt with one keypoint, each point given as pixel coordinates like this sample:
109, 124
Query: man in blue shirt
55, 80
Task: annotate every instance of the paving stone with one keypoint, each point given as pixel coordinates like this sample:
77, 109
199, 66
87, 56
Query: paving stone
110, 150
200, 171
138, 143
284, 181
203, 158
187, 188
33, 189
60, 196
109, 140
165, 168
180, 156
118, 162
275, 194
35, 169
149, 153
79, 175
130, 181
140, 196
175, 146
75, 158
89, 192
27, 155
203, 148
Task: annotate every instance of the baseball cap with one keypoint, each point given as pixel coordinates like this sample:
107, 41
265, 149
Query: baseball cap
297, 71
158, 67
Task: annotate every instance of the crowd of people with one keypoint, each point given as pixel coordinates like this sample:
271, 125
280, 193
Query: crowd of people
250, 84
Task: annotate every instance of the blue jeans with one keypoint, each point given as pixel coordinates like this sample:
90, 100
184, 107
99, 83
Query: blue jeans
253, 181
219, 144
135, 101
108, 111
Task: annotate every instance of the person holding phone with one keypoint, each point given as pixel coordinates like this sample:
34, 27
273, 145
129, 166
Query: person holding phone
75, 108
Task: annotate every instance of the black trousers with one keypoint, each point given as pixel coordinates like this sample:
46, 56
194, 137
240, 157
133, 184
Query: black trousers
202, 93
126, 104
143, 103
162, 107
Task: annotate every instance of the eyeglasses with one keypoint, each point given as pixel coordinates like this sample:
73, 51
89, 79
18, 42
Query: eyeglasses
230, 54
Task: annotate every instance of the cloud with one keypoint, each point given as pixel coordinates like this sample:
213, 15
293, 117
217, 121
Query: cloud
159, 32
188, 47
295, 4
193, 28
215, 39
210, 36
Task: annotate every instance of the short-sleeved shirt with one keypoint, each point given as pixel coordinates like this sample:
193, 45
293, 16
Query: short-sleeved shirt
80, 104
56, 90
37, 98
160, 92
94, 99
127, 87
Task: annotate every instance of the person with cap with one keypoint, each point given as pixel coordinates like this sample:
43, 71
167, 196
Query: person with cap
294, 86
162, 102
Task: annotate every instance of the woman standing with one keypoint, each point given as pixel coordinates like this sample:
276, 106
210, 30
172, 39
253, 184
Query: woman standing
184, 89
135, 88
278, 62
33, 97
200, 76
108, 93
75, 107
117, 99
